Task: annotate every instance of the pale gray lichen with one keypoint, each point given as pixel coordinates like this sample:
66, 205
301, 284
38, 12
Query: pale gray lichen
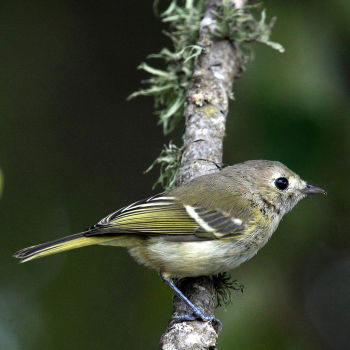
169, 85
242, 26
169, 161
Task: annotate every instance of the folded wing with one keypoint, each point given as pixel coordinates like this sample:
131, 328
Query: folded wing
164, 215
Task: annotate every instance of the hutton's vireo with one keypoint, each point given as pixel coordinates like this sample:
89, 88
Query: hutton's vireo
210, 225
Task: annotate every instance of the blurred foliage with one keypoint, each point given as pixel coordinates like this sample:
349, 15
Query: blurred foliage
73, 150
1, 182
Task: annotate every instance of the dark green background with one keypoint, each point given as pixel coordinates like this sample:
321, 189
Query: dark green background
72, 150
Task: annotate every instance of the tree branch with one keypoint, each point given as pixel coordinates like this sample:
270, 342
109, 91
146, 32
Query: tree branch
220, 62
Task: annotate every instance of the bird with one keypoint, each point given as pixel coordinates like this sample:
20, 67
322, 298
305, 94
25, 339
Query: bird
207, 226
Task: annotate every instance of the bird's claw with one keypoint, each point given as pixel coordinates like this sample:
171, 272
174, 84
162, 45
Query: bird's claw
184, 318
192, 317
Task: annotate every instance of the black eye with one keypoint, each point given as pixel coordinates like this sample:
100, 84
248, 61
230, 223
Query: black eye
281, 183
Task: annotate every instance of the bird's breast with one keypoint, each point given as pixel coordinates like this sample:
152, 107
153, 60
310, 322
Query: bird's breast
191, 259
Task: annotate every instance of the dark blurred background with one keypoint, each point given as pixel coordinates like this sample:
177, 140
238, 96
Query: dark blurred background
72, 150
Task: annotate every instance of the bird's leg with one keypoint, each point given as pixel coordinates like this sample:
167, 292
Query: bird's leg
197, 313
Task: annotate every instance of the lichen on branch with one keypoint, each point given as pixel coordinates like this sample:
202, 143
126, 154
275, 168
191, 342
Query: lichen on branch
169, 83
242, 26
168, 86
169, 161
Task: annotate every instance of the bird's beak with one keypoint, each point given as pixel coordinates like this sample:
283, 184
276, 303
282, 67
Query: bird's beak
311, 189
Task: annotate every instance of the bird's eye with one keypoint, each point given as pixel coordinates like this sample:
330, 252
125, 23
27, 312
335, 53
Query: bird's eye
281, 183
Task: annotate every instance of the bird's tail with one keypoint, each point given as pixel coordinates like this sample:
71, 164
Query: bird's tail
59, 245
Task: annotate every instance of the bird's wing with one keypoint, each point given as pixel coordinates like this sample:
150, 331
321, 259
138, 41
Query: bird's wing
164, 215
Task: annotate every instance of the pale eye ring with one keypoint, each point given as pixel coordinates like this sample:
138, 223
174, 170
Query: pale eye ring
281, 183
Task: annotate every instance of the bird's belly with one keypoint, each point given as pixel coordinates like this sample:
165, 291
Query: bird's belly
190, 259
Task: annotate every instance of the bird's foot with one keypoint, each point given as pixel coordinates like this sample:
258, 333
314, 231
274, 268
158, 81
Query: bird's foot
198, 316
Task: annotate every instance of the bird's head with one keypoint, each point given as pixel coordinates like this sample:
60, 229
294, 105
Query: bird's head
273, 185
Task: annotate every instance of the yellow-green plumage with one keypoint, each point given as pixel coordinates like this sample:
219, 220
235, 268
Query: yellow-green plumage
210, 225
57, 246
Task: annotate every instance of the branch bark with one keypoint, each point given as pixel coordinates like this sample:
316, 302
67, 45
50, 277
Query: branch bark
207, 100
